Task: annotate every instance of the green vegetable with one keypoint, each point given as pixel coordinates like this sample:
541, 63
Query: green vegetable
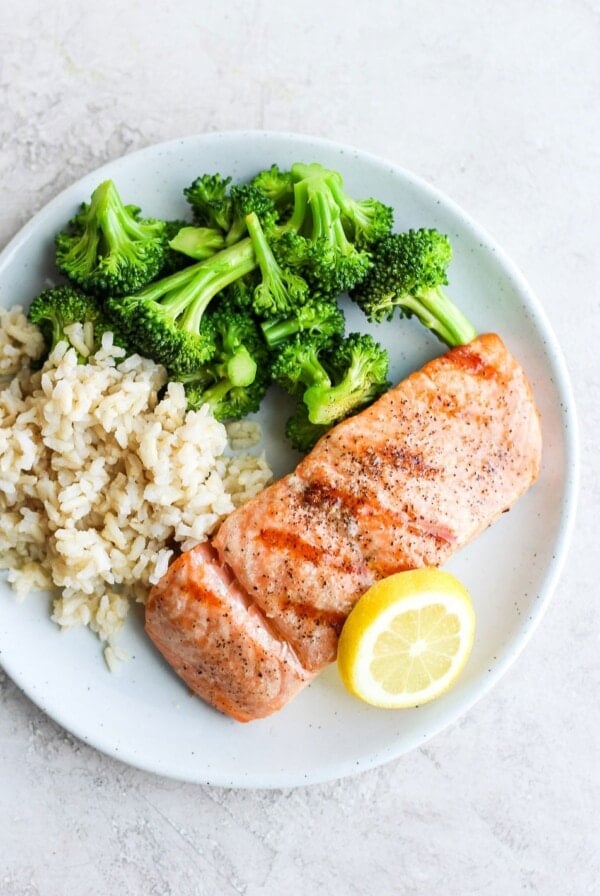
366, 221
248, 200
299, 364
317, 316
279, 290
331, 383
325, 238
57, 309
175, 259
408, 274
278, 186
196, 242
301, 433
234, 382
108, 248
209, 199
359, 368
220, 207
165, 320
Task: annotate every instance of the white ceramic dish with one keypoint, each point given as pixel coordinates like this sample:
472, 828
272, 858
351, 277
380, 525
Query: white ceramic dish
143, 714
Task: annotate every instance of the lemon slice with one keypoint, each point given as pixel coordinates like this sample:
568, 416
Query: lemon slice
407, 639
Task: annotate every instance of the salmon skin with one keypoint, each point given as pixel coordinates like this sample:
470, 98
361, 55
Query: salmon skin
403, 484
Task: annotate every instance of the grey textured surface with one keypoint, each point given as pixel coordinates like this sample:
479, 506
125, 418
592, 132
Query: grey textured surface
497, 105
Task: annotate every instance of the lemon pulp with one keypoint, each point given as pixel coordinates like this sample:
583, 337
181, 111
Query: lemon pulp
407, 639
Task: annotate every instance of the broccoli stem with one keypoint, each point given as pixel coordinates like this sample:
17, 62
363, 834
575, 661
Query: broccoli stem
332, 404
438, 313
215, 394
275, 331
262, 250
197, 242
313, 374
295, 223
313, 193
279, 289
326, 221
188, 292
241, 368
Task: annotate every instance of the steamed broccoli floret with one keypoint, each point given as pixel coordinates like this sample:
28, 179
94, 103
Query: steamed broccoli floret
313, 227
108, 247
278, 186
279, 290
57, 309
366, 221
241, 346
234, 382
317, 316
165, 320
220, 207
302, 434
241, 292
333, 383
298, 364
359, 368
225, 400
408, 274
314, 239
210, 202
248, 200
328, 235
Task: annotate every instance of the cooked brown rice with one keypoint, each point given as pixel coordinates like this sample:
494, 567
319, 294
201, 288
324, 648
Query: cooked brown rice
102, 479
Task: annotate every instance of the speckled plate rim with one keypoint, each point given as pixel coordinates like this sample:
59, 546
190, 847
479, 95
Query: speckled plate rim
393, 747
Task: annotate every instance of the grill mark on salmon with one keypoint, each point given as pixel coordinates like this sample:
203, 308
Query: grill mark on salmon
297, 548
403, 484
466, 358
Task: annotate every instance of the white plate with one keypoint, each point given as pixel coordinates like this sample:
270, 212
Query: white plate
143, 714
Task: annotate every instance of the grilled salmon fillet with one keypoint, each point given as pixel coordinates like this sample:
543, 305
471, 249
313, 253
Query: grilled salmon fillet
403, 484
218, 641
